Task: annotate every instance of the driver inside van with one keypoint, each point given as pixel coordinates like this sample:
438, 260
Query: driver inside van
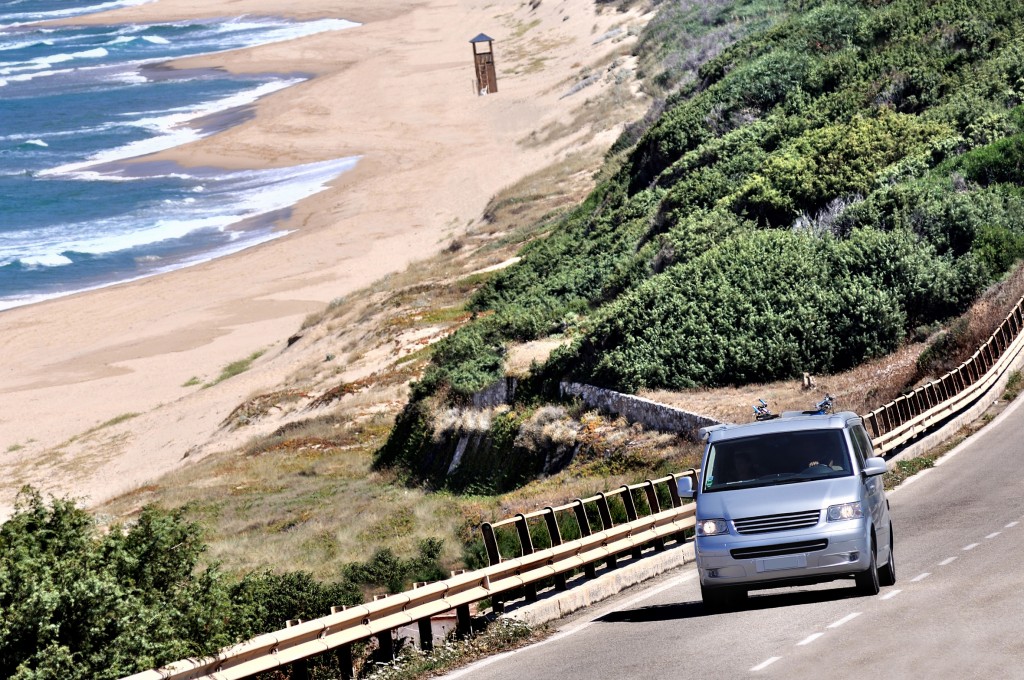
744, 466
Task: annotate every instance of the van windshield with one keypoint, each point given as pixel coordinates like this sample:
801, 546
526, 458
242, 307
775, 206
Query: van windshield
779, 458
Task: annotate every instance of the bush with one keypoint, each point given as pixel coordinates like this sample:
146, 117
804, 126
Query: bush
767, 305
78, 604
264, 601
389, 571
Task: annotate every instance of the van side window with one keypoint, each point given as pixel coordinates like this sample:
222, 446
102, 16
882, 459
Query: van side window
858, 447
861, 444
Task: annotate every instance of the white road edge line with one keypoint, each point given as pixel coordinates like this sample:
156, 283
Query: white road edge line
994, 534
845, 619
947, 561
891, 594
809, 639
910, 480
972, 546
977, 435
920, 577
575, 629
761, 666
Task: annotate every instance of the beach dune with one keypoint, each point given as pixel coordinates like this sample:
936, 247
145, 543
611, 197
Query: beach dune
397, 92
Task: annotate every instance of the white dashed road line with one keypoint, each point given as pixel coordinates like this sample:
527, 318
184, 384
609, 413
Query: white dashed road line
972, 546
1011, 525
994, 534
920, 577
845, 619
765, 664
891, 594
809, 639
947, 561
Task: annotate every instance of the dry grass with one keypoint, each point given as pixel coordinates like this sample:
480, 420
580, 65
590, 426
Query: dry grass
860, 390
301, 493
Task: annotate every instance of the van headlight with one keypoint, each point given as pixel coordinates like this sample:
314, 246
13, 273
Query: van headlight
838, 513
712, 527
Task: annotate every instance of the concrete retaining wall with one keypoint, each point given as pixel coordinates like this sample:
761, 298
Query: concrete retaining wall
648, 413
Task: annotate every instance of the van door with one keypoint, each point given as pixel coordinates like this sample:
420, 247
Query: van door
874, 491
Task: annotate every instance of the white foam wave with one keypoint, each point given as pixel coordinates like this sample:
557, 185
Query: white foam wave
274, 31
48, 260
40, 63
156, 39
36, 142
31, 17
235, 197
170, 131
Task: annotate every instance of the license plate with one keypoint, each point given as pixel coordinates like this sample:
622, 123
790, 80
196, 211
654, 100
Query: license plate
784, 562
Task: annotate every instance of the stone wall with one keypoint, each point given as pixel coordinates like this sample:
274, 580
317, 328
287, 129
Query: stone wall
648, 413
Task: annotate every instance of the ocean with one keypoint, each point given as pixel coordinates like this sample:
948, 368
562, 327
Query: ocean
76, 102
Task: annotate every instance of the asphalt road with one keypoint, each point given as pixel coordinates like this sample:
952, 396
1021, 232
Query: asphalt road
956, 611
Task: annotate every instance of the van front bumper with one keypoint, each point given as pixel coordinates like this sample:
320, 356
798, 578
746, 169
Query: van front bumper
824, 552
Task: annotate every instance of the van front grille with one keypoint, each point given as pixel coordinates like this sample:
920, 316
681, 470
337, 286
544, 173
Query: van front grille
784, 522
779, 549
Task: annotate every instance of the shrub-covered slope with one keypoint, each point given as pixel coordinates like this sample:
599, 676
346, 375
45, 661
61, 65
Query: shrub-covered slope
820, 189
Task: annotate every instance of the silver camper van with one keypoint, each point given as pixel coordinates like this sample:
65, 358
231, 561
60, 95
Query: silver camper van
787, 501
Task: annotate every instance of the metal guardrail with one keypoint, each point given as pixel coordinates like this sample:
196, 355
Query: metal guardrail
345, 626
910, 415
597, 538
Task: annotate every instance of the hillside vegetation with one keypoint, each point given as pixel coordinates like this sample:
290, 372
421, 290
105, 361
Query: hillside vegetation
822, 190
817, 185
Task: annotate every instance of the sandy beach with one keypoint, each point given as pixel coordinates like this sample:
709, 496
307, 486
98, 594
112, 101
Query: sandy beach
397, 92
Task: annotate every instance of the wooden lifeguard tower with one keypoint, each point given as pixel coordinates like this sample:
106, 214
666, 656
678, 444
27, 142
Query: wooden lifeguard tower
486, 80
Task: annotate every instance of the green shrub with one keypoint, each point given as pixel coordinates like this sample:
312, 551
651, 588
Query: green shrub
264, 601
75, 603
387, 570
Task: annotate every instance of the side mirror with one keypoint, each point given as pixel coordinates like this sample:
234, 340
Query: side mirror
685, 486
874, 466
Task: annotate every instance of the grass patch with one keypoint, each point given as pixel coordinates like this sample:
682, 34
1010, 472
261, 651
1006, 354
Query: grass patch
14, 447
116, 420
905, 469
1014, 386
501, 636
192, 382
236, 368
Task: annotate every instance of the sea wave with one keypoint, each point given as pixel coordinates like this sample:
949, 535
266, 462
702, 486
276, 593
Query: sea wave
21, 18
170, 131
228, 199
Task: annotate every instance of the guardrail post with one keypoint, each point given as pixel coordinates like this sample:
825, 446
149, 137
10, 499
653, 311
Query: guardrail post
655, 506
491, 544
343, 654
426, 632
556, 539
584, 522
464, 621
523, 529
606, 521
673, 490
300, 669
385, 642
423, 627
873, 424
631, 516
345, 662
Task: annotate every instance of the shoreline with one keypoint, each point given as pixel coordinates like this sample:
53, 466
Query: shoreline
395, 91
